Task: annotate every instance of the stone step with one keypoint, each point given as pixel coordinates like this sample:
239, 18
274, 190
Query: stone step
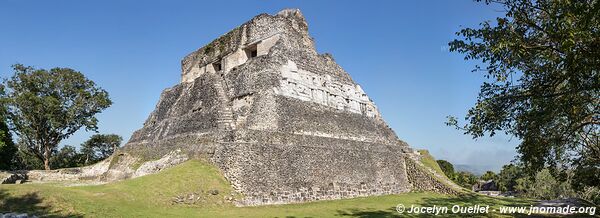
225, 115
225, 125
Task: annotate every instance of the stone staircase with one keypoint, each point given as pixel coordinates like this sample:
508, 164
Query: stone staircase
225, 115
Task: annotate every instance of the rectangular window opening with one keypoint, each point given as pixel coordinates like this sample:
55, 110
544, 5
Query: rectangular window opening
251, 51
217, 66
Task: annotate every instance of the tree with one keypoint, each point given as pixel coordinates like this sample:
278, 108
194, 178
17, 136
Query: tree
25, 160
46, 106
465, 179
544, 186
542, 61
489, 175
523, 185
99, 147
507, 178
66, 157
447, 168
8, 150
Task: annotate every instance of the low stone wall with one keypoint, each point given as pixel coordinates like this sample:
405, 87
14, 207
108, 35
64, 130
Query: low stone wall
117, 167
333, 191
54, 175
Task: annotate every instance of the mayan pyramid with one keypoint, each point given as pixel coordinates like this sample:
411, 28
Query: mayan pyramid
281, 121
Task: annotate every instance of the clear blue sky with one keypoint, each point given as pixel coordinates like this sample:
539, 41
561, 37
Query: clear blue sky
396, 50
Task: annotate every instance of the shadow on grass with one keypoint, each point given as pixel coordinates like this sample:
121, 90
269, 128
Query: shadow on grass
30, 203
463, 200
390, 212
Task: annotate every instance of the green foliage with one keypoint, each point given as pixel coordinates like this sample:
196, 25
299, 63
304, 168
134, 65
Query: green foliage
591, 194
507, 178
446, 167
586, 173
465, 179
489, 175
8, 150
67, 157
24, 160
542, 60
95, 149
99, 147
523, 185
46, 106
544, 186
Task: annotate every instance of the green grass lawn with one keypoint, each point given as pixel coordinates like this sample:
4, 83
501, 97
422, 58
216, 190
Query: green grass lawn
152, 196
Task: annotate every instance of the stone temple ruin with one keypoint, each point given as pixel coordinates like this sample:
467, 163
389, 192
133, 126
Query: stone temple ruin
283, 123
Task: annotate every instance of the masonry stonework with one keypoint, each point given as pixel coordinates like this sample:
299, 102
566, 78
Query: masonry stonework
283, 123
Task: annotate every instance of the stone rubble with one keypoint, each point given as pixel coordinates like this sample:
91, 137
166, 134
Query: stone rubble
16, 215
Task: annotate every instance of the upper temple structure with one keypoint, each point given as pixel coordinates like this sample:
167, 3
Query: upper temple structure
283, 123
303, 74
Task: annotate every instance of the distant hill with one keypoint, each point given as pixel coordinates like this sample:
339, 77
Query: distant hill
475, 169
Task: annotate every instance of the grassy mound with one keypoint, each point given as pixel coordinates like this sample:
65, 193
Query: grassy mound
430, 162
197, 189
191, 183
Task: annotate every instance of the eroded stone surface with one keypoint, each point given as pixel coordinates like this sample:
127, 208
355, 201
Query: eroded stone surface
16, 215
283, 123
11, 177
169, 160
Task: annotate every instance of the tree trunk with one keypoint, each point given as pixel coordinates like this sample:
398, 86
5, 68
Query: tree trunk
47, 158
46, 163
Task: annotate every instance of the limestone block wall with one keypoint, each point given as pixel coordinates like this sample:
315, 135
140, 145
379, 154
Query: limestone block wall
185, 108
231, 60
230, 50
215, 50
299, 117
265, 45
324, 90
304, 168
